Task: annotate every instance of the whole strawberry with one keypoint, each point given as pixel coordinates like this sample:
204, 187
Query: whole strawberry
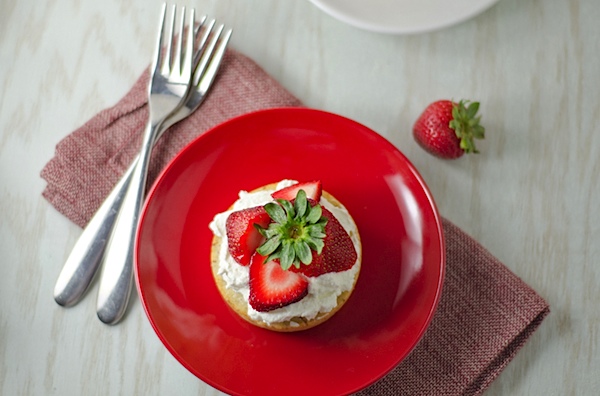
447, 129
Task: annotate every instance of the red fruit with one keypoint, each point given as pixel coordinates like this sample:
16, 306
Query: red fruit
338, 252
242, 236
446, 129
312, 189
272, 287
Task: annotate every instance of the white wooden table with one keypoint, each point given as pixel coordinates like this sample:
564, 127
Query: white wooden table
531, 197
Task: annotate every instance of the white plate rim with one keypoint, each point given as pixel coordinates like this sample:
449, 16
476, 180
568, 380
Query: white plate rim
346, 15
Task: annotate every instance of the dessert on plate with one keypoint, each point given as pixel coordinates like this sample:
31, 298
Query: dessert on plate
285, 256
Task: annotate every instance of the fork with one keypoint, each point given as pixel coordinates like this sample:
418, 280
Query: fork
168, 89
84, 261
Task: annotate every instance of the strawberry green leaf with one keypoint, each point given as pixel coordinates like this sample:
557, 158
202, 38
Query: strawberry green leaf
316, 231
295, 231
300, 204
276, 212
472, 109
314, 214
466, 125
269, 246
478, 132
303, 252
287, 207
288, 255
316, 244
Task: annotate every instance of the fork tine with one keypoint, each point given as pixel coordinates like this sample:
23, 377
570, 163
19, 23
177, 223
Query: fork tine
198, 28
176, 67
166, 65
215, 62
206, 55
198, 39
186, 70
202, 42
156, 63
205, 78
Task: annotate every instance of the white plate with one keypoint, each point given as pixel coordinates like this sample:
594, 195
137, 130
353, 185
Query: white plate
403, 16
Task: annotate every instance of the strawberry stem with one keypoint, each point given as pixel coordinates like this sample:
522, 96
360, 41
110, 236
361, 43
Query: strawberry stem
296, 230
466, 124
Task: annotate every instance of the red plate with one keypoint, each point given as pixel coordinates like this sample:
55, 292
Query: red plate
399, 284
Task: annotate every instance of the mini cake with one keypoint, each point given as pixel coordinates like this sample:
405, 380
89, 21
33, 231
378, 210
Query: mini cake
286, 256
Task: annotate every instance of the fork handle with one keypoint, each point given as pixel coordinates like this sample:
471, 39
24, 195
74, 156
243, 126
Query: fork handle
117, 262
84, 260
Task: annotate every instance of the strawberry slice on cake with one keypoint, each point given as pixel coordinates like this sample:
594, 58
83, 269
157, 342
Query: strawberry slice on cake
242, 235
272, 287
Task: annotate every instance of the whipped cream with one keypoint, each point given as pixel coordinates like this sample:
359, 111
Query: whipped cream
323, 290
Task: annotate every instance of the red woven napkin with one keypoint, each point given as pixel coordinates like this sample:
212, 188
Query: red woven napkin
485, 314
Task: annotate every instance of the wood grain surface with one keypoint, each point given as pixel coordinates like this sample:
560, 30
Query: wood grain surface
531, 197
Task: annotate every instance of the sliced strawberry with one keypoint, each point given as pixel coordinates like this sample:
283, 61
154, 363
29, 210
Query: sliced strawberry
271, 287
242, 236
338, 252
313, 190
